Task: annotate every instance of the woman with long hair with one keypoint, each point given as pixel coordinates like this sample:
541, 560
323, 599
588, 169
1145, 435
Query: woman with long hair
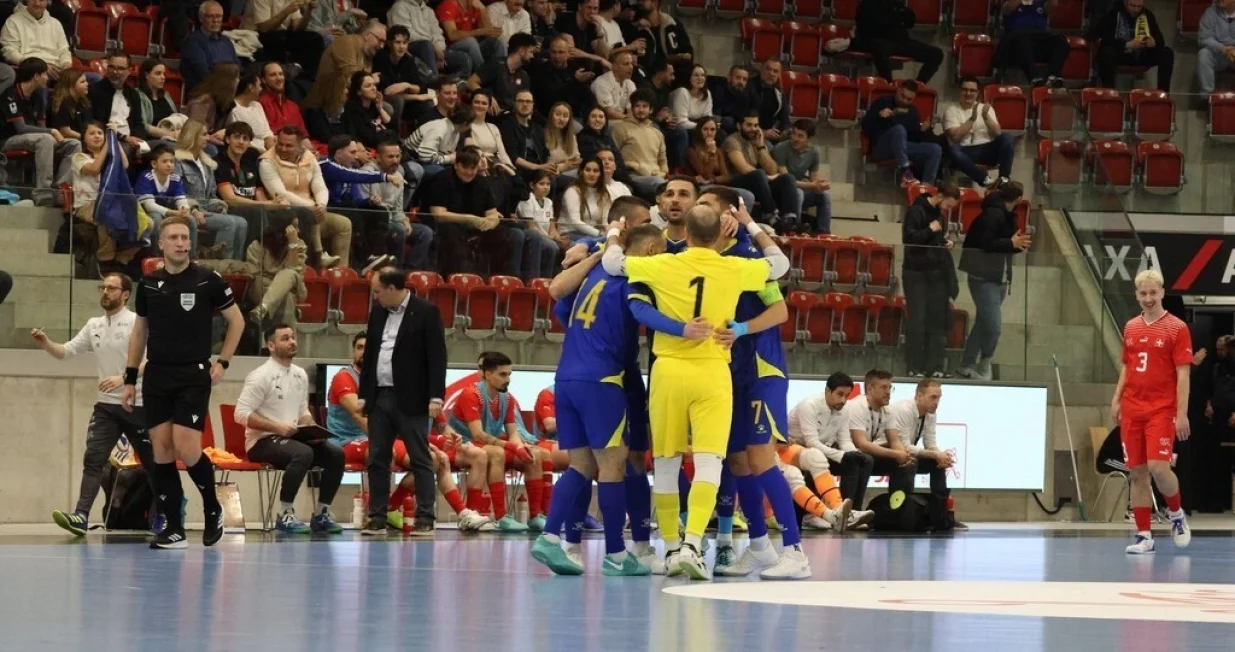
327, 121
211, 101
280, 259
692, 102
560, 140
156, 103
486, 137
595, 136
70, 104
87, 168
585, 204
363, 114
196, 170
707, 163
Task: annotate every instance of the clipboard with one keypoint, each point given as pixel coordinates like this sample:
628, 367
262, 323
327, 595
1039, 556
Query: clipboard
312, 434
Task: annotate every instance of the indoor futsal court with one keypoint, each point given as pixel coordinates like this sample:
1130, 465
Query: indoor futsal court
1005, 588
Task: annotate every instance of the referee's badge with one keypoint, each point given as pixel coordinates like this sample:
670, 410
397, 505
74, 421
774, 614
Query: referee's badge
188, 300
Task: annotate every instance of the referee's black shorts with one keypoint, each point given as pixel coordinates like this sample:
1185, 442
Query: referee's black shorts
177, 393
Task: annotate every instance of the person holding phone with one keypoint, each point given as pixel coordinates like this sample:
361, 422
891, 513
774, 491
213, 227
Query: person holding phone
273, 406
1129, 35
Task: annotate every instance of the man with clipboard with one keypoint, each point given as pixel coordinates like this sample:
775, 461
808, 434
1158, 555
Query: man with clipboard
280, 431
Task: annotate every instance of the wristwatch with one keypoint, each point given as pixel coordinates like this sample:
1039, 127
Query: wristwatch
224, 363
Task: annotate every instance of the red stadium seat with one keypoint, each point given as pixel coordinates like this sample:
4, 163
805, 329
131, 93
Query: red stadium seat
1103, 109
233, 442
817, 326
313, 312
446, 298
844, 11
974, 54
1222, 116
1152, 114
848, 318
803, 91
134, 27
843, 261
422, 282
1077, 67
517, 307
173, 85
971, 14
871, 88
352, 298
926, 101
958, 325
970, 208
880, 267
1161, 167
91, 29
479, 312
928, 14
763, 38
839, 97
1189, 18
874, 305
889, 322
729, 8
1011, 107
793, 329
805, 44
1054, 111
1112, 165
1061, 165
807, 10
693, 7
1067, 16
771, 8
808, 262
552, 328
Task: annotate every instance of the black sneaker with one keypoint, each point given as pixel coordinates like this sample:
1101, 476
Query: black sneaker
170, 539
374, 528
214, 528
422, 530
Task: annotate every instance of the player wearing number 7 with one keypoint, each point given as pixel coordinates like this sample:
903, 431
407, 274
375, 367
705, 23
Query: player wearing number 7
691, 385
1151, 407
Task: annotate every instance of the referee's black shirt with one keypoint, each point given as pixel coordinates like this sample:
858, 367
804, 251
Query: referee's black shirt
179, 310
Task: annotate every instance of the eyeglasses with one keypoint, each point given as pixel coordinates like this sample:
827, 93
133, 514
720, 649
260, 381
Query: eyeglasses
110, 288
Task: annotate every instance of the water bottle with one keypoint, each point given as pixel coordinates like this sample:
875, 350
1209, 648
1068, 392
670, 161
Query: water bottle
409, 514
358, 509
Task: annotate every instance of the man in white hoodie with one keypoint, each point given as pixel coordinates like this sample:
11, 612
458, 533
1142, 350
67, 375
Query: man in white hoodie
32, 32
428, 41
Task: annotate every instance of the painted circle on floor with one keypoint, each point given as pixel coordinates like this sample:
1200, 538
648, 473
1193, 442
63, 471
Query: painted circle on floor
1202, 603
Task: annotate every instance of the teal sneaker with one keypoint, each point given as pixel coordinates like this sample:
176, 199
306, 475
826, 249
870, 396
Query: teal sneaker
324, 524
509, 524
630, 566
73, 522
552, 556
289, 524
536, 524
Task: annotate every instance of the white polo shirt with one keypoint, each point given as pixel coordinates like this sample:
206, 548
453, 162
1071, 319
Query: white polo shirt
275, 392
858, 415
613, 95
108, 337
954, 116
911, 426
815, 425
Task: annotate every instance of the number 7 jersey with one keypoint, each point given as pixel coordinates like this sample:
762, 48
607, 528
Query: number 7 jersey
1151, 354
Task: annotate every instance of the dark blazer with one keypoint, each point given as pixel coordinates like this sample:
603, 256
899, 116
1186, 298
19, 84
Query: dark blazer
101, 94
418, 362
1104, 29
988, 246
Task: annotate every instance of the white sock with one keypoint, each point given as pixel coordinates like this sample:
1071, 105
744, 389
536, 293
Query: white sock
695, 541
618, 557
672, 547
322, 508
759, 544
1179, 514
552, 538
1145, 533
724, 540
574, 547
288, 508
643, 548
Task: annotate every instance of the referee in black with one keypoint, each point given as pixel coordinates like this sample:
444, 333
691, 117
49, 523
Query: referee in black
175, 308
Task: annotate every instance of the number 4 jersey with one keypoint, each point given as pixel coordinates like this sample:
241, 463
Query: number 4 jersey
602, 336
1152, 351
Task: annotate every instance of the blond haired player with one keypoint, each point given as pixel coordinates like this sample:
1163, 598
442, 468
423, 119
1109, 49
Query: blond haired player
1151, 407
691, 385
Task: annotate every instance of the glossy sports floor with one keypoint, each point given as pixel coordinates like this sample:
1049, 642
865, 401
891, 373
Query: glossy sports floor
994, 589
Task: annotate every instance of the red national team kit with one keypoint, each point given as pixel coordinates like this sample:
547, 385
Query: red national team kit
1152, 352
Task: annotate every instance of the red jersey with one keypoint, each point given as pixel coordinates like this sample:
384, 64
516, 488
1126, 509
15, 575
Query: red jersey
544, 410
341, 385
467, 407
1151, 354
466, 18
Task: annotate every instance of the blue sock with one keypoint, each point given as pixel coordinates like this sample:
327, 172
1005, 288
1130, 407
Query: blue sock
683, 492
561, 506
750, 494
574, 524
776, 488
612, 498
638, 504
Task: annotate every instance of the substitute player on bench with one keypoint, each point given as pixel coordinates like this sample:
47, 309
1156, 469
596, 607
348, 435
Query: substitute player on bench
1151, 407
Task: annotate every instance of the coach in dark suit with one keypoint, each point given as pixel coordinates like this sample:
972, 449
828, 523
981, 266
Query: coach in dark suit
403, 385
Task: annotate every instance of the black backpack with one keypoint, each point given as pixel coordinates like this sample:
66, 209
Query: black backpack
897, 511
128, 499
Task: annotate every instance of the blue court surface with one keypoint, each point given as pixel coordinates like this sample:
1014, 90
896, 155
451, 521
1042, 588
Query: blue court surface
991, 589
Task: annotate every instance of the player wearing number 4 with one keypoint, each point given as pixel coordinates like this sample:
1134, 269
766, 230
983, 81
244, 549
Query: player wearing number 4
1150, 405
691, 396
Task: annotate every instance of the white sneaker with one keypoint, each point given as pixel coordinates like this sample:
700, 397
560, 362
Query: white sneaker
860, 519
792, 565
984, 370
329, 260
1142, 546
471, 520
812, 522
487, 526
693, 564
652, 561
726, 557
1180, 531
839, 518
672, 566
751, 561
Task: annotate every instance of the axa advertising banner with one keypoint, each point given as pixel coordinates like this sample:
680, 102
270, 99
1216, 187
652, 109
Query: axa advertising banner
1194, 253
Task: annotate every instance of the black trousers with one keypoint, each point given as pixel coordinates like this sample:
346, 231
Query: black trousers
301, 46
1026, 48
295, 459
107, 423
386, 423
1111, 56
926, 319
854, 472
901, 478
882, 50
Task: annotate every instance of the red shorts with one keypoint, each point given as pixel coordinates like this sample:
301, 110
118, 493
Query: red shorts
547, 444
357, 452
1147, 438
